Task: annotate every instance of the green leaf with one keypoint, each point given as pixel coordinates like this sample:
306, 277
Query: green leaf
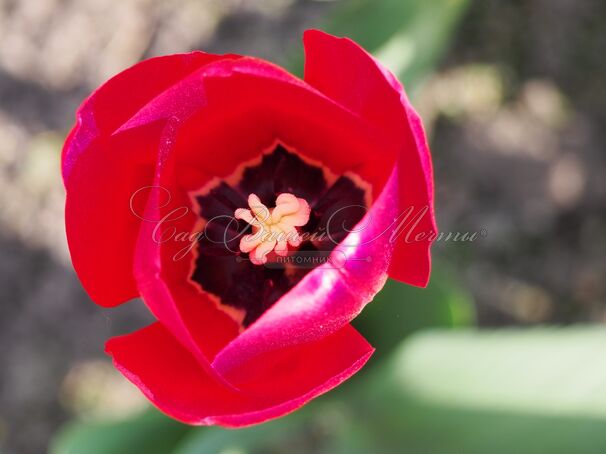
456, 391
523, 391
149, 433
400, 310
461, 391
408, 36
270, 436
549, 370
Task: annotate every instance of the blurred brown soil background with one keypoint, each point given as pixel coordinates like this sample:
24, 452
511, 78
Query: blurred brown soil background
517, 111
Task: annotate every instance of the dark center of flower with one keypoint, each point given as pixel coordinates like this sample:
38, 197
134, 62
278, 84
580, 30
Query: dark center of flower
238, 279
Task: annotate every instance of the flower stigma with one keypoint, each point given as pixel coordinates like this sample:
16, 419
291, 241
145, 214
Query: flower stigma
274, 229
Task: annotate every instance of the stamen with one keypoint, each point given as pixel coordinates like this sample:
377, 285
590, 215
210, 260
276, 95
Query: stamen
274, 229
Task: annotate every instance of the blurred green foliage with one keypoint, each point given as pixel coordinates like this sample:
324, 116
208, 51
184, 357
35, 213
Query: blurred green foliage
149, 433
456, 391
407, 36
400, 310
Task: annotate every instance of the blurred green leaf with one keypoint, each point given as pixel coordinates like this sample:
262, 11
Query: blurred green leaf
408, 36
547, 370
523, 391
323, 426
400, 309
150, 432
267, 437
456, 391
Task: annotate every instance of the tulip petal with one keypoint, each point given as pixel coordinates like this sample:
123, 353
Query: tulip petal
328, 297
161, 272
267, 101
173, 381
345, 72
102, 172
101, 228
233, 84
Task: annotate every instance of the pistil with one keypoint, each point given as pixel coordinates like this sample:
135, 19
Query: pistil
274, 229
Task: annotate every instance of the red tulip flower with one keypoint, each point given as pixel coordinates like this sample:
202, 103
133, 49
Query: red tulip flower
254, 213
